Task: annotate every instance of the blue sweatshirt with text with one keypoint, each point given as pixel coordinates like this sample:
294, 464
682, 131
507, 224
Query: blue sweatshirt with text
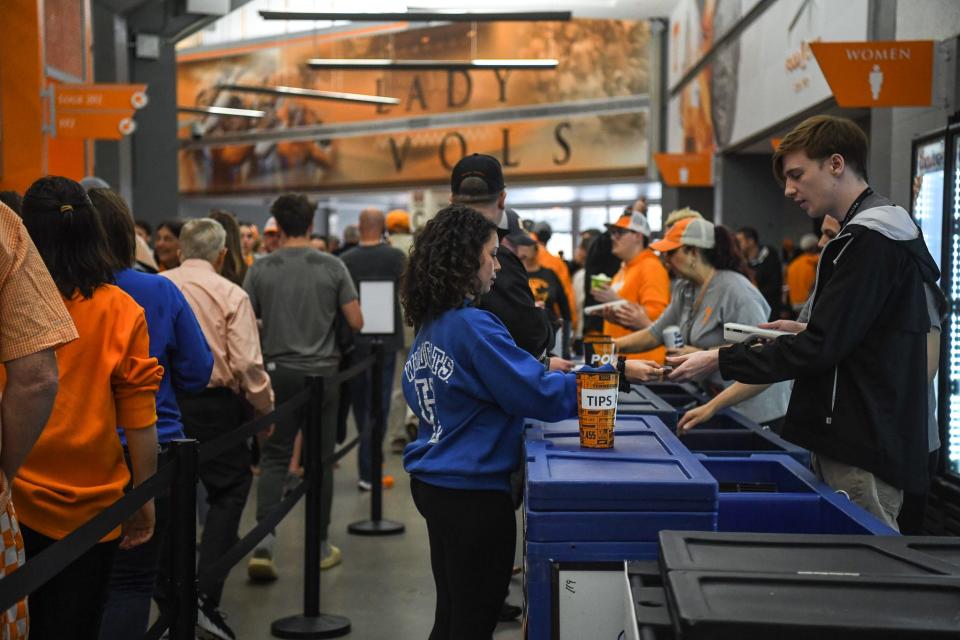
471, 387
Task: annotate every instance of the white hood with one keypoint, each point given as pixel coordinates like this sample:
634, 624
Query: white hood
889, 220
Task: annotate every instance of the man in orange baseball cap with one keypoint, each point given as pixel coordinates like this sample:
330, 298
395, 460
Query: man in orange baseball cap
642, 282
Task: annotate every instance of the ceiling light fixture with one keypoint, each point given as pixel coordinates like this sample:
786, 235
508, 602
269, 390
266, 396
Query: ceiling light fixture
224, 111
419, 65
431, 16
297, 92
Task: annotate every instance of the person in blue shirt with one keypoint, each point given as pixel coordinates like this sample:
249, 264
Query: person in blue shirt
177, 341
470, 386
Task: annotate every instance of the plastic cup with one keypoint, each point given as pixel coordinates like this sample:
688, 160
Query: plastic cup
600, 281
597, 408
599, 350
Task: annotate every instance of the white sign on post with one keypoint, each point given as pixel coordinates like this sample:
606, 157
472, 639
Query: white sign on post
376, 305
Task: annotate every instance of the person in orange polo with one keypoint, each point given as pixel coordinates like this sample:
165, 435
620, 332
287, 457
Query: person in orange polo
642, 282
107, 380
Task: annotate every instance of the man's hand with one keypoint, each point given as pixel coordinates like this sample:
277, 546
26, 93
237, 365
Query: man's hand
683, 351
784, 325
606, 294
630, 315
139, 527
695, 416
642, 370
559, 364
694, 366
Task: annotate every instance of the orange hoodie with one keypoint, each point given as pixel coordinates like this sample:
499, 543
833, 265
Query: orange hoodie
107, 379
645, 281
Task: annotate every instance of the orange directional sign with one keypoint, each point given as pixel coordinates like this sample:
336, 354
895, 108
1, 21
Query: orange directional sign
96, 111
101, 125
878, 73
685, 169
121, 97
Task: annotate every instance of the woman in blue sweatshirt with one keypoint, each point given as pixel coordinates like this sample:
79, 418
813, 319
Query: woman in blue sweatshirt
471, 387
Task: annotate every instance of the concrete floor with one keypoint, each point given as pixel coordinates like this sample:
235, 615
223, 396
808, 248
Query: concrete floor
384, 585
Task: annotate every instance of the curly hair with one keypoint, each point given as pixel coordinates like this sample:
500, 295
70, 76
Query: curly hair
442, 269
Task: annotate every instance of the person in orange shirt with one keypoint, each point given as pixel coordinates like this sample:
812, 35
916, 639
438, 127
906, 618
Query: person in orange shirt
544, 232
107, 379
642, 281
802, 272
249, 241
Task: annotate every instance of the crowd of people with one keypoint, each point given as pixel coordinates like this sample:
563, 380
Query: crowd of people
118, 338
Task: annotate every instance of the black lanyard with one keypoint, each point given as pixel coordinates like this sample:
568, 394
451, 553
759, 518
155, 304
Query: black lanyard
852, 211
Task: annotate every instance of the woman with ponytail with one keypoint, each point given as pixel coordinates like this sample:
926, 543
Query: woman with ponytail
715, 289
107, 380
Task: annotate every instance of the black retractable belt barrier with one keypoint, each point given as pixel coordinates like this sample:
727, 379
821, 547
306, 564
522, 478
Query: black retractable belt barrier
312, 623
37, 571
376, 525
180, 477
182, 592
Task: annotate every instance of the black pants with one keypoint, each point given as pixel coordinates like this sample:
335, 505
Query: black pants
911, 515
70, 605
227, 477
472, 538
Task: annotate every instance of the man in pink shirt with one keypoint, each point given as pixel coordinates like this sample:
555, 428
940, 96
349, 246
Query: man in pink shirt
230, 326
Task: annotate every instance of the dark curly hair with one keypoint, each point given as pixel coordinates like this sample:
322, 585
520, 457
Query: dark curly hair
443, 264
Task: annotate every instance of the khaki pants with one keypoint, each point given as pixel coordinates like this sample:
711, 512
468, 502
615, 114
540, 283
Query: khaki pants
862, 487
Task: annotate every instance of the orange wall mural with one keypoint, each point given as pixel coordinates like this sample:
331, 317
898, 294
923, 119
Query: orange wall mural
599, 60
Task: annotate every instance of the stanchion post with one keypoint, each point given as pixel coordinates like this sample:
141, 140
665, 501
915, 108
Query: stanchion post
183, 532
313, 623
376, 525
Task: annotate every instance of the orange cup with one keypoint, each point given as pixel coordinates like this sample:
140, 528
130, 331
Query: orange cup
597, 408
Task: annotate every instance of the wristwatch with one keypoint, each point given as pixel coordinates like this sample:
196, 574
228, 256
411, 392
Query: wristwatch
622, 382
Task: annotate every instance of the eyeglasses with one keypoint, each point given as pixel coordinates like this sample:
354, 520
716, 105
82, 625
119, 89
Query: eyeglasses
616, 232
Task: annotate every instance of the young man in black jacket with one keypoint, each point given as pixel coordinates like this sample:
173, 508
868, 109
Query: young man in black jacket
859, 403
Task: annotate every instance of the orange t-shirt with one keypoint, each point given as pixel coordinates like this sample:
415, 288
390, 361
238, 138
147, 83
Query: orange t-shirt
801, 276
559, 267
645, 281
107, 379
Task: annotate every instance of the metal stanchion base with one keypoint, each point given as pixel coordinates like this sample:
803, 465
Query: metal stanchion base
375, 528
321, 626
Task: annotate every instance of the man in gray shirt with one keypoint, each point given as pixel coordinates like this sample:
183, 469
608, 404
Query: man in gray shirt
296, 292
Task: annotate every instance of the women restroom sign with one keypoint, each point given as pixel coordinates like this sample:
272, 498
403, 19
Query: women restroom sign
879, 73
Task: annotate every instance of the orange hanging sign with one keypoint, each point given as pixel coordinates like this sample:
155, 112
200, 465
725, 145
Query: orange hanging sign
685, 169
878, 73
121, 97
101, 125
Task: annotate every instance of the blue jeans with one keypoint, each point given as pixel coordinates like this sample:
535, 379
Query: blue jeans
361, 389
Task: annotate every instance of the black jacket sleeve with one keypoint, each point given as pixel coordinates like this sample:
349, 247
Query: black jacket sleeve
868, 266
511, 300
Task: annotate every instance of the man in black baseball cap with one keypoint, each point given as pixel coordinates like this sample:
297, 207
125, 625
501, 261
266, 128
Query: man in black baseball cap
477, 181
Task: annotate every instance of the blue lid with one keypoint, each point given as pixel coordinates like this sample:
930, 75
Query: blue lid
640, 400
647, 470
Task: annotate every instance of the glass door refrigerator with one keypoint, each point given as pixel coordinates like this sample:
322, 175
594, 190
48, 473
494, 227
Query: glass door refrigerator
936, 208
